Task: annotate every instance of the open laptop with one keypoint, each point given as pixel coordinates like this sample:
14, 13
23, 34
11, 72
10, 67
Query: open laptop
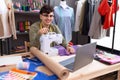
84, 56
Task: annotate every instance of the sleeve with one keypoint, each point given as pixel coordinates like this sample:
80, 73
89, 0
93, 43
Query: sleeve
115, 6
72, 20
12, 23
1, 26
34, 36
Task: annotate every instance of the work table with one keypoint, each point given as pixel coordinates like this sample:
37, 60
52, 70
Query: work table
92, 70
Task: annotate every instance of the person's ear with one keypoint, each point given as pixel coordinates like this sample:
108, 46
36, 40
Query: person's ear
40, 16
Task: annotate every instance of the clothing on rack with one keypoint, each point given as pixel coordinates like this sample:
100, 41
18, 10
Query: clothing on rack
89, 11
1, 28
107, 10
7, 20
96, 31
79, 15
64, 18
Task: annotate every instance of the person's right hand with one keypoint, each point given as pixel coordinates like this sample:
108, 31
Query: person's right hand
43, 31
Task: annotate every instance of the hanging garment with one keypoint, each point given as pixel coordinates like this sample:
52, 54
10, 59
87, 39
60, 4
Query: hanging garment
107, 11
12, 23
89, 10
96, 31
1, 26
7, 20
79, 15
64, 18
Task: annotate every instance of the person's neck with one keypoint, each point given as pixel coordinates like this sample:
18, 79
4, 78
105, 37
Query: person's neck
63, 4
44, 25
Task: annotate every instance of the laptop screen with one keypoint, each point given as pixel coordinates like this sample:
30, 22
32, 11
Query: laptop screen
84, 55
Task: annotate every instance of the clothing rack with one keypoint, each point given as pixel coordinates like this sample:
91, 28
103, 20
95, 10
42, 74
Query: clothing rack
112, 51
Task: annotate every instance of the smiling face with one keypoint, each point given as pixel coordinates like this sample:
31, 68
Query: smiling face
46, 15
46, 19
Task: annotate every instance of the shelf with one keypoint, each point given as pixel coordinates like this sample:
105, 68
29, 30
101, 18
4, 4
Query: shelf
26, 12
18, 49
22, 16
21, 33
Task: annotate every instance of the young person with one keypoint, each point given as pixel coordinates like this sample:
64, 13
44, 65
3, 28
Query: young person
44, 26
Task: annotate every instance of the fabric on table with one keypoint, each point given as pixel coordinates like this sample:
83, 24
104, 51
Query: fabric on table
62, 51
34, 63
42, 76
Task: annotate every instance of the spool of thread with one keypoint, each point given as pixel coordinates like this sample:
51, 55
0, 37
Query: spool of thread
23, 7
27, 8
21, 26
23, 65
27, 25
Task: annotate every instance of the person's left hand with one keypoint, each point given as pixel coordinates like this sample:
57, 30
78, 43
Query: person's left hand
71, 50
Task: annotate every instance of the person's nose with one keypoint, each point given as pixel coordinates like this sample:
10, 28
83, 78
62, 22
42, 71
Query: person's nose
49, 17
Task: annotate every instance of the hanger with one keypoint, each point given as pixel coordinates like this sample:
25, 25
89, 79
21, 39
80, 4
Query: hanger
110, 2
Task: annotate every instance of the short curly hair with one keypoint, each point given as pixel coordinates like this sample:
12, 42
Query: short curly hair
46, 9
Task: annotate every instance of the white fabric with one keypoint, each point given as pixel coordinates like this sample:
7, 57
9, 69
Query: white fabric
7, 20
78, 14
6, 26
4, 17
3, 7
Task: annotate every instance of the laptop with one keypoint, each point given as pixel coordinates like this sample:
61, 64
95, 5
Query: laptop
84, 56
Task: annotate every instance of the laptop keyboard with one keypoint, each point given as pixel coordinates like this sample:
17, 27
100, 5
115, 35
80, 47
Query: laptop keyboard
70, 66
67, 61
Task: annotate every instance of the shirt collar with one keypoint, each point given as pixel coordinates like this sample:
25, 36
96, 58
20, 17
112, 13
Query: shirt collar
67, 7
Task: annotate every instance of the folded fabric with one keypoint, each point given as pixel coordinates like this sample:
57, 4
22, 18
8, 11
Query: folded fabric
107, 58
62, 51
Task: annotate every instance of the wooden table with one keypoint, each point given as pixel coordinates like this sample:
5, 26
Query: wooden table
92, 70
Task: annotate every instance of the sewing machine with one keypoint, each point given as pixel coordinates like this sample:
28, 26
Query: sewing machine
47, 39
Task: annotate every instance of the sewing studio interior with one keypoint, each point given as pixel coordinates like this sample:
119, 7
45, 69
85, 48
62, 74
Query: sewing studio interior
59, 40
